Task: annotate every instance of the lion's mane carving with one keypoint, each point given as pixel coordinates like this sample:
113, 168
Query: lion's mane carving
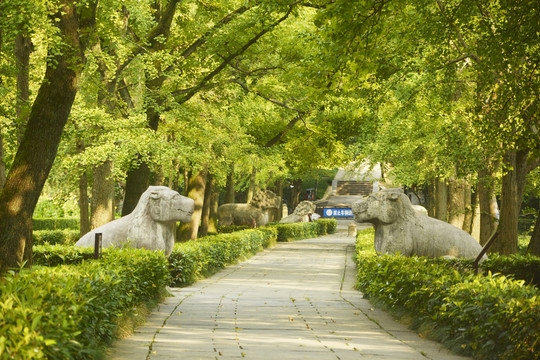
151, 225
400, 228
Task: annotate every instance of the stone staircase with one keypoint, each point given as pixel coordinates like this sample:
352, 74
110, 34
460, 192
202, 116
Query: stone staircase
347, 187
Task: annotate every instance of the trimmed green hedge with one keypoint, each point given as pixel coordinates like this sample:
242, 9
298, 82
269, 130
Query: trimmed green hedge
520, 267
232, 228
66, 236
197, 259
193, 260
55, 255
486, 316
55, 223
71, 312
305, 230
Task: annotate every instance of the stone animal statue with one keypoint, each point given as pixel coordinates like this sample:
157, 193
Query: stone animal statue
260, 210
420, 209
266, 199
151, 225
301, 213
400, 228
241, 214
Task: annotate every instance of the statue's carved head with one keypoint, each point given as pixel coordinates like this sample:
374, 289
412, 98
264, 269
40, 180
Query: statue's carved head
265, 199
165, 205
305, 208
381, 207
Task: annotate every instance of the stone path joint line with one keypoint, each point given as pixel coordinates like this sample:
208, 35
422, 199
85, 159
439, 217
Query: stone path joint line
294, 301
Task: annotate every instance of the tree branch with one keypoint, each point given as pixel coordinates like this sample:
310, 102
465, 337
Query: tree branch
200, 41
460, 37
162, 28
230, 58
273, 101
289, 126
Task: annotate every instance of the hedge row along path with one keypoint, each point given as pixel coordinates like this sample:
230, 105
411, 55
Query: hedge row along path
294, 301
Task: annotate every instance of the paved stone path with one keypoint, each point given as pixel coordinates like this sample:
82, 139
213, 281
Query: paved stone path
294, 301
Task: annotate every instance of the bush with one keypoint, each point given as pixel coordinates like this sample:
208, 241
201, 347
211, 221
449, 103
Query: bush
71, 312
55, 223
55, 255
196, 259
520, 267
305, 230
487, 316
66, 237
232, 228
328, 226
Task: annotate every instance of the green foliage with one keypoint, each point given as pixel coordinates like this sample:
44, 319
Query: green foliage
60, 254
203, 257
71, 312
63, 237
520, 267
487, 316
232, 228
298, 231
55, 223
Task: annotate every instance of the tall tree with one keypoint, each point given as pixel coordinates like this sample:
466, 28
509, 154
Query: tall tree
46, 122
482, 57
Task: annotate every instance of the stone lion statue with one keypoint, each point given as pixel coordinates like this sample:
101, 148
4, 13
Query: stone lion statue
401, 228
266, 199
301, 213
262, 209
241, 214
151, 225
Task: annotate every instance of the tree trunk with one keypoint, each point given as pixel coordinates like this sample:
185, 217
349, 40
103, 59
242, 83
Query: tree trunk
295, 194
102, 195
186, 182
441, 200
475, 223
534, 244
46, 122
84, 217
137, 181
23, 48
195, 187
229, 189
278, 189
457, 199
487, 202
138, 177
2, 162
513, 185
207, 204
506, 243
431, 199
468, 208
252, 185
213, 218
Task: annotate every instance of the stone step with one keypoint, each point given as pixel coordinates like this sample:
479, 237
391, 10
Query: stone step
354, 188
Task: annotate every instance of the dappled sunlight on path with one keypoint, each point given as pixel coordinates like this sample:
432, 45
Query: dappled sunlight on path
295, 301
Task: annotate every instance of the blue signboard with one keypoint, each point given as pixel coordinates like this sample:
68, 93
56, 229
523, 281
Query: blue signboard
337, 212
